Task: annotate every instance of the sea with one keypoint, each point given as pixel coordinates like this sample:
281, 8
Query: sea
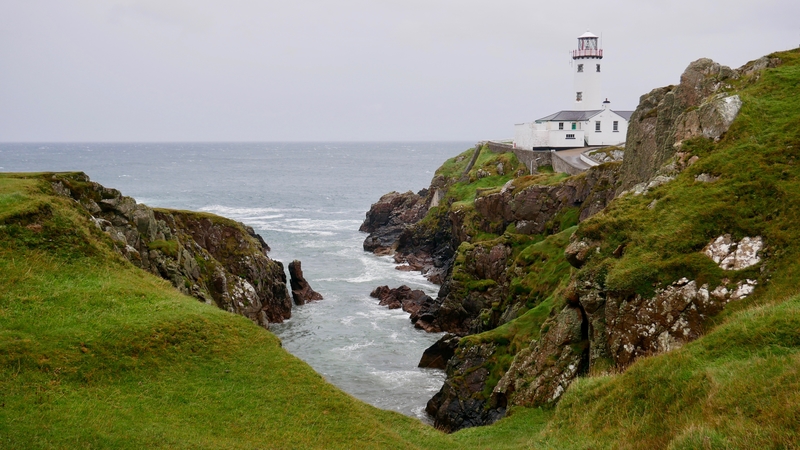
307, 200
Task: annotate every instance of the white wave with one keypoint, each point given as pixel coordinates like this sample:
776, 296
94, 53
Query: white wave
278, 229
228, 210
324, 224
353, 347
269, 216
396, 377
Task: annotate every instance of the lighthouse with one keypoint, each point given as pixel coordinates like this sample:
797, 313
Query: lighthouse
590, 121
587, 72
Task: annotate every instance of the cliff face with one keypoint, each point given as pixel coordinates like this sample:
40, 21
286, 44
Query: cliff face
659, 263
213, 259
703, 104
493, 236
665, 241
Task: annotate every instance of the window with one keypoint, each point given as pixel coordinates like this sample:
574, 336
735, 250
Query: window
580, 67
597, 125
570, 136
560, 125
598, 67
573, 125
616, 126
579, 97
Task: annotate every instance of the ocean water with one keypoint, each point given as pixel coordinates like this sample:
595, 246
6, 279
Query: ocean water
307, 201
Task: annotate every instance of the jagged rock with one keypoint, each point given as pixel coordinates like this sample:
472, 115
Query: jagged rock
540, 374
669, 115
731, 255
387, 218
301, 290
532, 208
415, 302
455, 406
211, 258
437, 355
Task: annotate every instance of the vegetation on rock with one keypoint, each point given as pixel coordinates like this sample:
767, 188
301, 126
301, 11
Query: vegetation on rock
95, 352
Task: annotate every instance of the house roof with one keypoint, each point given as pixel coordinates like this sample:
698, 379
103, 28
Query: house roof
580, 116
570, 116
625, 114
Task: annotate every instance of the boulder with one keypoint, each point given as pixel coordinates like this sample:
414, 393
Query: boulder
437, 355
413, 301
732, 255
301, 291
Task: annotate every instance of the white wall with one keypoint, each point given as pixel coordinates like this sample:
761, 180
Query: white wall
588, 82
530, 135
558, 138
606, 136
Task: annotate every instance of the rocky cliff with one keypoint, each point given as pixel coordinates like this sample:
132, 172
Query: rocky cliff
649, 273
704, 103
213, 259
665, 241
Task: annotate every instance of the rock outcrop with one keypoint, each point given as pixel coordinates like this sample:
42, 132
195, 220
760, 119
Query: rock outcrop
301, 290
438, 355
413, 301
389, 217
542, 372
456, 406
598, 321
213, 259
531, 208
701, 105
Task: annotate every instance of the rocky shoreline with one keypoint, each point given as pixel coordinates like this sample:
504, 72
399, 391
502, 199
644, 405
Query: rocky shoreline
216, 260
492, 253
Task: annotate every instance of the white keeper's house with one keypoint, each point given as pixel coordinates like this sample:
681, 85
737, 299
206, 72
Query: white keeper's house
591, 121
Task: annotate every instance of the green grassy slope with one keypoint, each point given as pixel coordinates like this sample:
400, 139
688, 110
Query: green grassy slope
96, 353
739, 385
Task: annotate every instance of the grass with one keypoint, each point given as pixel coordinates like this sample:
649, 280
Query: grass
97, 353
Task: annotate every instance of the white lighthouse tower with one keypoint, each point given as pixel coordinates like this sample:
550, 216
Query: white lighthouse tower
586, 66
590, 122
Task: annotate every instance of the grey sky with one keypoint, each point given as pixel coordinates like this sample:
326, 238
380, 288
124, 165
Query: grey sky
194, 70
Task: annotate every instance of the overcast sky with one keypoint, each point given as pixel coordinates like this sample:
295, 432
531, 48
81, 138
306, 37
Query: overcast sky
201, 70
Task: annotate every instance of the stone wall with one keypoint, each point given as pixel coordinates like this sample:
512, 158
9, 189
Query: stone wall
562, 166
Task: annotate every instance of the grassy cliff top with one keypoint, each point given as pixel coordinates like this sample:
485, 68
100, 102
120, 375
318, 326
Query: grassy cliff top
96, 353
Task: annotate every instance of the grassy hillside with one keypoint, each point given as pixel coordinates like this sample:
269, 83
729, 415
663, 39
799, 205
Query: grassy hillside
95, 353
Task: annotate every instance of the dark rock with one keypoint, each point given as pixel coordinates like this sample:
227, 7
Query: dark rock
389, 217
457, 405
533, 208
437, 355
301, 291
414, 302
540, 374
